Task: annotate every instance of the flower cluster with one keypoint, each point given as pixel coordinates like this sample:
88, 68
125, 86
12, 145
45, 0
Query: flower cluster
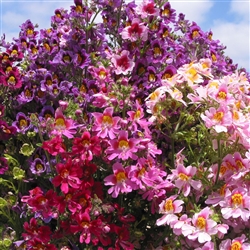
120, 132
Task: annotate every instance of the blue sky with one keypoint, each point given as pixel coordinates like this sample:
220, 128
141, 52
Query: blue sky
229, 20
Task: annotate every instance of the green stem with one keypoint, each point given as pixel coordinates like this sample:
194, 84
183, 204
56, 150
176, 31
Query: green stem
219, 161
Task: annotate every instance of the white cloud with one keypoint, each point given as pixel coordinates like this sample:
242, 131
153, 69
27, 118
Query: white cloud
236, 37
240, 8
39, 12
194, 10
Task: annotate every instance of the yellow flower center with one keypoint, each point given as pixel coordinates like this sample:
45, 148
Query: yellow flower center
168, 206
123, 144
236, 246
141, 70
102, 74
66, 58
166, 76
60, 122
201, 223
12, 80
120, 176
166, 12
239, 164
157, 51
237, 200
106, 119
14, 52
218, 116
39, 167
183, 177
236, 115
141, 172
222, 95
23, 123
85, 143
195, 34
151, 77
29, 31
222, 190
85, 224
214, 59
137, 114
65, 173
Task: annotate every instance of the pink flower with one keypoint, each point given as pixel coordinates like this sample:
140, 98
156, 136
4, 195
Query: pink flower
63, 126
219, 119
135, 31
203, 226
123, 148
169, 208
237, 243
236, 204
208, 246
147, 8
105, 124
122, 63
177, 225
119, 181
183, 179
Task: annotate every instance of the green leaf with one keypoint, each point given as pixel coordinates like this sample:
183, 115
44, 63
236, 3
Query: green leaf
11, 161
3, 202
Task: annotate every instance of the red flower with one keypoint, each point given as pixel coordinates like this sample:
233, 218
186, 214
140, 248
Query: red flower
122, 238
54, 146
68, 176
86, 146
36, 232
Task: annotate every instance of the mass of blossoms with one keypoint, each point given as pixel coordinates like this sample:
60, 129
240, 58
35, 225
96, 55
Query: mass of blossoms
122, 126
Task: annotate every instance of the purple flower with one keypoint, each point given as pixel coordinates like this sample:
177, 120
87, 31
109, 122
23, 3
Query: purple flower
3, 165
38, 167
22, 123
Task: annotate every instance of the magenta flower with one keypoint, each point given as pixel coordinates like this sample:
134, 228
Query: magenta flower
119, 181
236, 204
105, 124
123, 148
169, 207
122, 63
135, 31
183, 179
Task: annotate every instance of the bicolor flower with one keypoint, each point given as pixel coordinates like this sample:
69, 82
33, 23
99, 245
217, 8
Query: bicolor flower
135, 31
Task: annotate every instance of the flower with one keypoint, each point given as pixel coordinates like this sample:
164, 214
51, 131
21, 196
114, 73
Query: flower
119, 180
237, 243
183, 179
122, 63
219, 119
69, 175
63, 126
203, 227
169, 207
236, 204
123, 148
135, 31
105, 124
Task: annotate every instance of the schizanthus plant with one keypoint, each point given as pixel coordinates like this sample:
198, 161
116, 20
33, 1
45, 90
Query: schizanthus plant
129, 133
